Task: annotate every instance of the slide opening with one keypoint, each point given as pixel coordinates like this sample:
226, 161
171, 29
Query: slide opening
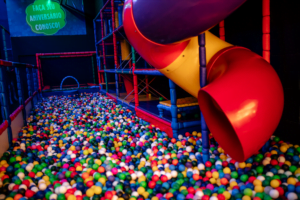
220, 126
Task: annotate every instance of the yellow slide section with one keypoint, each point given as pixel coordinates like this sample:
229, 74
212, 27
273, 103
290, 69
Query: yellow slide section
184, 71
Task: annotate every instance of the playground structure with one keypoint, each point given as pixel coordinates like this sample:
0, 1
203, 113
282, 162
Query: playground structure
180, 62
119, 62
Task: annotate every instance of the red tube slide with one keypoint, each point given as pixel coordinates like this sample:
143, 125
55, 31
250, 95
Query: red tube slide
243, 101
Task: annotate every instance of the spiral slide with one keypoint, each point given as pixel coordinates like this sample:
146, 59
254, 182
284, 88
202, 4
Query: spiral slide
243, 100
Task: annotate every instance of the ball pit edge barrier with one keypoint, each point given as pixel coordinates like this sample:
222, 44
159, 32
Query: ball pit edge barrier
14, 115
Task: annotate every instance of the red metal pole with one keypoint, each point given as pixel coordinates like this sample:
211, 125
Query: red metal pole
222, 30
38, 70
266, 29
99, 76
40, 65
135, 87
68, 53
114, 34
135, 79
76, 56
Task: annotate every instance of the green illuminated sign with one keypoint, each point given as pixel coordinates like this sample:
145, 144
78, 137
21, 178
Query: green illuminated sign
45, 16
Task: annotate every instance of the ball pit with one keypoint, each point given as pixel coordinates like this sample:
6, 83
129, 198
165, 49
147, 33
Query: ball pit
91, 148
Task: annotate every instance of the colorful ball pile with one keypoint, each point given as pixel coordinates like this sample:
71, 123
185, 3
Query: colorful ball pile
89, 148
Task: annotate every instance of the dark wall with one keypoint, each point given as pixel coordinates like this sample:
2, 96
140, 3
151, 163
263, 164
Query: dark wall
244, 28
4, 23
3, 15
59, 68
25, 48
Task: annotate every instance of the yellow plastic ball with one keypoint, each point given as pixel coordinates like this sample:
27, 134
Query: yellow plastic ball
145, 195
291, 181
258, 188
182, 188
86, 152
227, 194
39, 174
288, 163
283, 148
274, 183
257, 182
226, 170
242, 165
246, 198
140, 190
142, 178
71, 197
78, 168
215, 174
97, 190
102, 180
212, 180
90, 193
232, 184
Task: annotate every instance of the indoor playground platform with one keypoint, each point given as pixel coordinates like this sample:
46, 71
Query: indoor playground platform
144, 104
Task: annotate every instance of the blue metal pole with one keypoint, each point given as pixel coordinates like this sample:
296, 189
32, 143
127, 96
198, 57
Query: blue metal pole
30, 89
4, 44
21, 94
96, 47
5, 102
120, 10
28, 82
32, 84
204, 129
37, 83
117, 85
35, 86
173, 98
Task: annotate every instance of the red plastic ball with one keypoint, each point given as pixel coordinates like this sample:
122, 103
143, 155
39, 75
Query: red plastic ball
274, 162
224, 163
251, 179
29, 193
191, 190
208, 164
224, 181
31, 174
205, 197
26, 182
16, 187
155, 178
164, 178
108, 195
79, 197
280, 190
196, 177
151, 184
221, 197
256, 198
